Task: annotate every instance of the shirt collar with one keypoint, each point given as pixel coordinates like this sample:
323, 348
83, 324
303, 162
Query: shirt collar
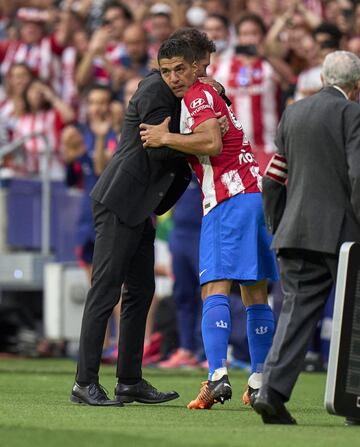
341, 90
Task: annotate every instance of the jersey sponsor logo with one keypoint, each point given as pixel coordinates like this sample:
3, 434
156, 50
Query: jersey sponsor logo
246, 157
204, 106
197, 103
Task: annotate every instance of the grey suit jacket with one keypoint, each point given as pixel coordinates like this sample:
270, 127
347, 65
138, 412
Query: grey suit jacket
319, 206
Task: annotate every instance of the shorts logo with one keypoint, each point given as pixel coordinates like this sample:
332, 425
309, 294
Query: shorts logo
197, 103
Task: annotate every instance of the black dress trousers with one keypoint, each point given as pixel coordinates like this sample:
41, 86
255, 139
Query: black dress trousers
122, 255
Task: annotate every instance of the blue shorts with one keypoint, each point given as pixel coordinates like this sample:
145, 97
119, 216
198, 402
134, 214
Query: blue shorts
235, 243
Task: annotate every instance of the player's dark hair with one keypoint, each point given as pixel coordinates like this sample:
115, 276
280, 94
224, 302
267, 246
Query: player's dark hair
198, 41
176, 48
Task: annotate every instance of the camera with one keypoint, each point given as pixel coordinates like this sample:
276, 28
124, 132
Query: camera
247, 50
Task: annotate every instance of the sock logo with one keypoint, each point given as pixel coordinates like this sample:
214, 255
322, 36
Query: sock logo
222, 324
262, 330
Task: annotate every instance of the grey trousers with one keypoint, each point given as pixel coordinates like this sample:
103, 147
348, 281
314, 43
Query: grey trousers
307, 278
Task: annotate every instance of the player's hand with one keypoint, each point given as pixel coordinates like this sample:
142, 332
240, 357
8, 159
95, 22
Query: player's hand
210, 81
152, 136
223, 123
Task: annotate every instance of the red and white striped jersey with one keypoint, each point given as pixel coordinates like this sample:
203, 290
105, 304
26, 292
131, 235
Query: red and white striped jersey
254, 94
50, 124
69, 91
7, 115
235, 169
43, 59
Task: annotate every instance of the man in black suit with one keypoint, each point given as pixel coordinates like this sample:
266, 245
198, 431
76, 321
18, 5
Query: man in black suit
311, 196
135, 184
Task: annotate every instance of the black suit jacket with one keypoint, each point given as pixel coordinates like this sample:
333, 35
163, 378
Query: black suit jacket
319, 207
138, 181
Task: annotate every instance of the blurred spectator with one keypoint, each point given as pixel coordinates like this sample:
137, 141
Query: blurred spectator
160, 28
339, 13
184, 246
87, 150
77, 47
217, 28
356, 20
218, 7
328, 36
39, 50
45, 113
130, 88
117, 111
101, 63
4, 136
69, 62
16, 81
289, 26
324, 39
251, 85
195, 15
309, 80
136, 60
354, 45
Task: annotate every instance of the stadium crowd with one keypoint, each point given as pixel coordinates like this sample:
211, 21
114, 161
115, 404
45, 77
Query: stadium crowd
70, 67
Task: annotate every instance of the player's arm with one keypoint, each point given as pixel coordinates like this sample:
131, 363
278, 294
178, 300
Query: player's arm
204, 140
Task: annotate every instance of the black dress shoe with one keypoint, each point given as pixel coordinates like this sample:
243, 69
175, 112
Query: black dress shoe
351, 421
142, 392
93, 394
271, 407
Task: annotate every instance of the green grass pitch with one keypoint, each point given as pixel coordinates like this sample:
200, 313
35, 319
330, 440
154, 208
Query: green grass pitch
35, 411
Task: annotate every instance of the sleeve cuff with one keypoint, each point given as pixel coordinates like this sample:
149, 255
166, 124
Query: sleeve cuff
277, 169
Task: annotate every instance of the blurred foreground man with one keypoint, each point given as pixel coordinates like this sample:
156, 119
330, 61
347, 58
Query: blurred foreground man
311, 196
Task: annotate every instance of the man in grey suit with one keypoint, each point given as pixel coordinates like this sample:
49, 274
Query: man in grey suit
311, 192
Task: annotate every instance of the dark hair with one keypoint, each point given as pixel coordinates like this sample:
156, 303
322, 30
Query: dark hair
118, 5
198, 41
251, 18
224, 20
176, 48
328, 28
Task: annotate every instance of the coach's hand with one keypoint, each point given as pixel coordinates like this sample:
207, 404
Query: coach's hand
153, 136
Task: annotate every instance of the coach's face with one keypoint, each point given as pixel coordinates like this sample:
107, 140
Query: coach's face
178, 74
